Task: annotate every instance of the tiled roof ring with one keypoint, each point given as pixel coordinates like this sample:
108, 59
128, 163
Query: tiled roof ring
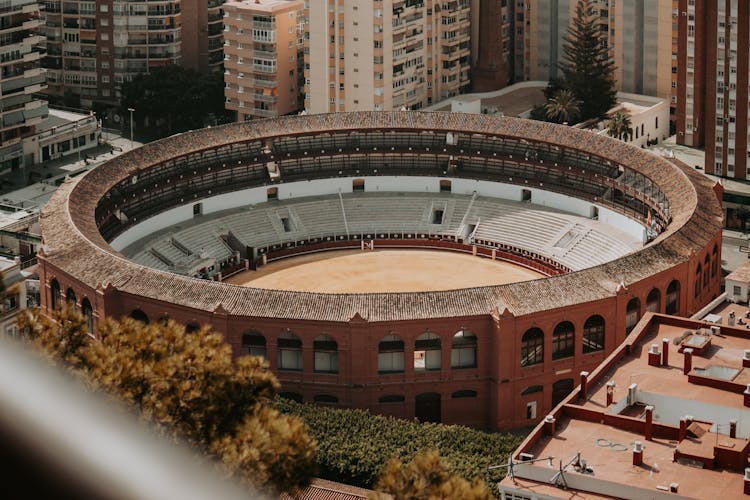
75, 246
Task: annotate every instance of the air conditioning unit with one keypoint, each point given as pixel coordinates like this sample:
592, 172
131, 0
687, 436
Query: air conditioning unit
715, 330
632, 390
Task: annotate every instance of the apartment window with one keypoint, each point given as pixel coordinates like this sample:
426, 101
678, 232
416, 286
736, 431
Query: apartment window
104, 8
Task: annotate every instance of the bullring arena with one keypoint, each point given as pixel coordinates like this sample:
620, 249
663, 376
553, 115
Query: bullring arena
449, 267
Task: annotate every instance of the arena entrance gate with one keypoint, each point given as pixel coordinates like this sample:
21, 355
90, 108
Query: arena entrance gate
427, 407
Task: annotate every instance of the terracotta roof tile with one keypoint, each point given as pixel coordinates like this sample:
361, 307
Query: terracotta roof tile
75, 245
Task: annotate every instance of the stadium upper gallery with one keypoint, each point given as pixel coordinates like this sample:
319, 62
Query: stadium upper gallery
608, 230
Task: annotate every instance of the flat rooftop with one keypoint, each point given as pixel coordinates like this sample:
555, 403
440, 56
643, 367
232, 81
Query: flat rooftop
514, 100
692, 419
264, 5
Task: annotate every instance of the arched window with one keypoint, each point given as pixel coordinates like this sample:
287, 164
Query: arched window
192, 327
466, 393
715, 261
254, 344
56, 295
698, 272
290, 352
560, 390
427, 355
532, 347
563, 340
632, 314
706, 270
464, 350
70, 297
326, 354
391, 355
593, 334
139, 315
325, 398
392, 398
653, 301
673, 297
88, 314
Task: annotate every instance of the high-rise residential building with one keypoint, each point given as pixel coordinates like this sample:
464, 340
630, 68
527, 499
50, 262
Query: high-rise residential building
492, 44
385, 54
94, 47
713, 78
539, 28
20, 78
202, 34
640, 42
262, 47
639, 34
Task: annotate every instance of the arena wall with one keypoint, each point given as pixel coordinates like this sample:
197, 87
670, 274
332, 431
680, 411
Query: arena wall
681, 267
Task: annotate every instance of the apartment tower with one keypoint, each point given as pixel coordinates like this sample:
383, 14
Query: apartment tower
20, 78
262, 48
712, 100
385, 54
94, 47
638, 33
202, 30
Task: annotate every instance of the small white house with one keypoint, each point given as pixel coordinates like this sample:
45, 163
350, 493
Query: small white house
737, 284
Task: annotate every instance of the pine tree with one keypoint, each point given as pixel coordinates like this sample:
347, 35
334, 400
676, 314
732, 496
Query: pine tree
587, 68
190, 385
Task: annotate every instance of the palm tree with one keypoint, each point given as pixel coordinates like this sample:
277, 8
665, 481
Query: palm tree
563, 107
620, 126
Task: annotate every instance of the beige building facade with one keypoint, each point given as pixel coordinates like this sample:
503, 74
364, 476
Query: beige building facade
639, 33
261, 57
385, 55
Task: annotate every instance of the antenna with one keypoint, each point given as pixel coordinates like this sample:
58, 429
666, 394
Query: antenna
511, 464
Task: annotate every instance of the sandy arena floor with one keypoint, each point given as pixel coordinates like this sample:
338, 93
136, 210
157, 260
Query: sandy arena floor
354, 271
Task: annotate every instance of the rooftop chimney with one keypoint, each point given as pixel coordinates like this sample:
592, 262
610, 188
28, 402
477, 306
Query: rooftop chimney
732, 428
688, 360
746, 358
654, 356
584, 384
747, 481
649, 428
549, 425
683, 427
638, 457
610, 392
665, 352
746, 394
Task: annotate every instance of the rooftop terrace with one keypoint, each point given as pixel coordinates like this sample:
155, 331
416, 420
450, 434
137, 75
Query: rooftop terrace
678, 390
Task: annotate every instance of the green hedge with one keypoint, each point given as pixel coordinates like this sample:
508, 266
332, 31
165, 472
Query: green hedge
353, 445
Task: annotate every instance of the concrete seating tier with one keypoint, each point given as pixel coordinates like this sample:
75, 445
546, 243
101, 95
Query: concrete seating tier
576, 242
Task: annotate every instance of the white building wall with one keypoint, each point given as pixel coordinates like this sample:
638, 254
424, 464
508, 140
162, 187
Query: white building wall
320, 187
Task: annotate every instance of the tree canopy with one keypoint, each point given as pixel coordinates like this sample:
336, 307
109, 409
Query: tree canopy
427, 477
353, 446
586, 87
563, 107
189, 384
173, 99
620, 126
587, 68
